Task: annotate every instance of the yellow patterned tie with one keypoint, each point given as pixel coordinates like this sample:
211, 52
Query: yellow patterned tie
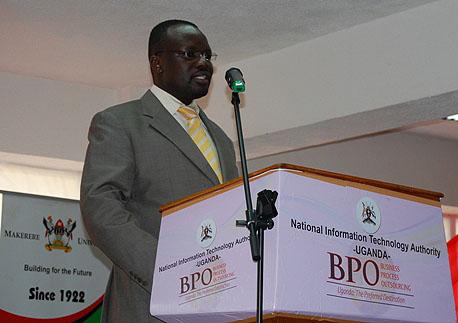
200, 138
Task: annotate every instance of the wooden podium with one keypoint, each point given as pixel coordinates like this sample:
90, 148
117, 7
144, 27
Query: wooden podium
343, 249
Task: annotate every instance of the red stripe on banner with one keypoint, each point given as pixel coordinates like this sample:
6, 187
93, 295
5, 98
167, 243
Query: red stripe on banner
10, 317
453, 257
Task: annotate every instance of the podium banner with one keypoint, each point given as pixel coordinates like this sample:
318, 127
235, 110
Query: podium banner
351, 252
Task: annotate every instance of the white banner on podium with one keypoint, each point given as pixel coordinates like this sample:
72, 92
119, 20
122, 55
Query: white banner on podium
336, 251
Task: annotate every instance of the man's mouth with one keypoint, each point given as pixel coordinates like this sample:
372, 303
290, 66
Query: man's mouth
201, 77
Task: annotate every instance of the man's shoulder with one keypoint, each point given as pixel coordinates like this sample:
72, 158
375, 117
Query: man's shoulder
123, 108
130, 107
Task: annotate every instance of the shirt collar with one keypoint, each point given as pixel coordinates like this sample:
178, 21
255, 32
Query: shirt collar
170, 102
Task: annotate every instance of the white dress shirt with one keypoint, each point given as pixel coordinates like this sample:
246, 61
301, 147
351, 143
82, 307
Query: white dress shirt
171, 104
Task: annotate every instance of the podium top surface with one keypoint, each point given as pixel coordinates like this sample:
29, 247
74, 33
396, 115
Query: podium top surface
406, 192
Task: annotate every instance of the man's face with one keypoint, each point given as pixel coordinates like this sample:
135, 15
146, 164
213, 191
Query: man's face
186, 79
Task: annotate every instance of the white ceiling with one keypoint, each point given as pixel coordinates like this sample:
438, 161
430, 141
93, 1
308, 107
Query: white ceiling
104, 43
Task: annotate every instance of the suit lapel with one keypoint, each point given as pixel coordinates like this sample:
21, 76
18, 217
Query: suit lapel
161, 120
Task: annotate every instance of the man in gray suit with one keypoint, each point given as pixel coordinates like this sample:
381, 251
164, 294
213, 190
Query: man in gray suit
140, 157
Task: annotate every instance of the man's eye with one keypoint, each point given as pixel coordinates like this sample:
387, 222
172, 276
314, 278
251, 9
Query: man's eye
189, 54
207, 55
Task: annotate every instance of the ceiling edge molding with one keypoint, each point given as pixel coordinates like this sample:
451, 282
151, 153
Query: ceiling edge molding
381, 120
41, 162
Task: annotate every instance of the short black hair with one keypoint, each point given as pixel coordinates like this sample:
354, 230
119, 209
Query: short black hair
159, 33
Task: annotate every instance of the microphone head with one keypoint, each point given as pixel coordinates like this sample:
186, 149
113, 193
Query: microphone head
234, 79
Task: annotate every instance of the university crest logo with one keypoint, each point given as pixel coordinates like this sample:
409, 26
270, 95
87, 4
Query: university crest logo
58, 234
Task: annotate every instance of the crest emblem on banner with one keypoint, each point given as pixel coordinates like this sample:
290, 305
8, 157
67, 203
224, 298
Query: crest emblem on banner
206, 233
58, 234
368, 215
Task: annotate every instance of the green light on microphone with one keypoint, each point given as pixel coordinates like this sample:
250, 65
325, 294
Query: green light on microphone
238, 86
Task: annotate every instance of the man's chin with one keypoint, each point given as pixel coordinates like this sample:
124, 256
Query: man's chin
198, 93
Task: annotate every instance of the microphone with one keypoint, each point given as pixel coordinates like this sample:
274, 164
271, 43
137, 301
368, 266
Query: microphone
234, 79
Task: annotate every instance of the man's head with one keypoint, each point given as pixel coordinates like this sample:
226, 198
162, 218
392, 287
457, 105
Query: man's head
179, 59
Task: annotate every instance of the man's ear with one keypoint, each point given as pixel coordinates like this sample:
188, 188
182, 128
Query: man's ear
155, 64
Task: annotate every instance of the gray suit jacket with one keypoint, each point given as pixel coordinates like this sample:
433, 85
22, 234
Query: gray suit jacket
138, 159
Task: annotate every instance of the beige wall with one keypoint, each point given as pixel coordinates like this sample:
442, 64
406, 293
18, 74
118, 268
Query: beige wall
401, 158
48, 117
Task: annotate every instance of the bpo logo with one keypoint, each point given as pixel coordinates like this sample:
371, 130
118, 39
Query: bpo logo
206, 233
368, 215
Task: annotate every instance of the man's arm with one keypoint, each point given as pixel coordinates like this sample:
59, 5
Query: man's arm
106, 189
